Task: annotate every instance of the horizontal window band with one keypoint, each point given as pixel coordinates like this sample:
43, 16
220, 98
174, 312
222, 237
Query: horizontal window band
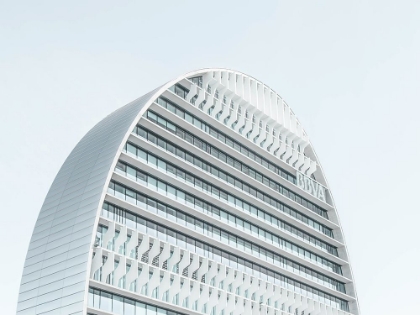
148, 157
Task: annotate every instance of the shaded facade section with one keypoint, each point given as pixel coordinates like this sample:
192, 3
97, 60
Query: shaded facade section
56, 267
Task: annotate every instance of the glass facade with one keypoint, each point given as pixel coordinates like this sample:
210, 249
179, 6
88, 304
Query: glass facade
225, 237
184, 176
118, 304
178, 194
185, 155
187, 136
182, 240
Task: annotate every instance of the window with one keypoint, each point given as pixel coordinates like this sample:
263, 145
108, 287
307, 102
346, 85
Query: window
117, 305
106, 301
189, 118
152, 115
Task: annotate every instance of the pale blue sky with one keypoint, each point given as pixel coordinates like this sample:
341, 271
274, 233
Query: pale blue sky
349, 69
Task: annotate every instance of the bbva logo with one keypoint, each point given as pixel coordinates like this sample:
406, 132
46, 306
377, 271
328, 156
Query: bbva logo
311, 186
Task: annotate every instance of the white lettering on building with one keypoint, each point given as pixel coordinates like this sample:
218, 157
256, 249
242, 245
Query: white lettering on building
310, 186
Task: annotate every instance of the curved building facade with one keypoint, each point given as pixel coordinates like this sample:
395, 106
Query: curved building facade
204, 196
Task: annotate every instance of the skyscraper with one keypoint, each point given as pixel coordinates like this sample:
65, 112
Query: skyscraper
204, 196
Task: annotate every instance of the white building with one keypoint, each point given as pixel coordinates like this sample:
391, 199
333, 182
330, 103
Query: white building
204, 196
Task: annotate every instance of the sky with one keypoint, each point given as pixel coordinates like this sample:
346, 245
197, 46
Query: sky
350, 70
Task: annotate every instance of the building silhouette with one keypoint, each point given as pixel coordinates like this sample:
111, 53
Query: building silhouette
204, 196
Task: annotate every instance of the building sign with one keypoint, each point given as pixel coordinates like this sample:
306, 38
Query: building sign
311, 186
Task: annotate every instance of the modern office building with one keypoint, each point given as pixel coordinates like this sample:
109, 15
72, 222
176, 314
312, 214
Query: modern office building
204, 196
